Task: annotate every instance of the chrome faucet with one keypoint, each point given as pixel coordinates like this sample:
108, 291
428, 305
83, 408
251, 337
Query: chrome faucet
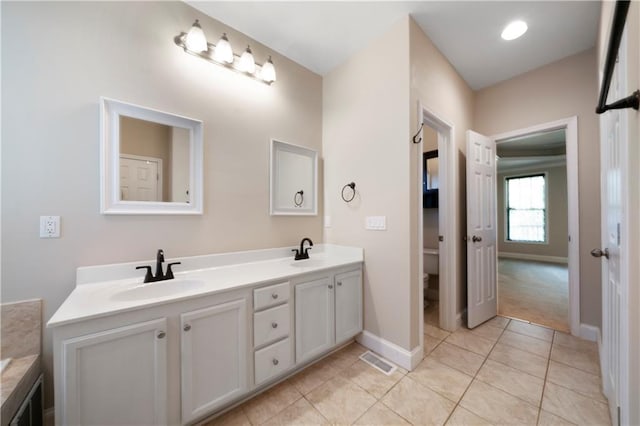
160, 276
303, 253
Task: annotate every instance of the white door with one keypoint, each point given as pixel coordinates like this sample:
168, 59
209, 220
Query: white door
116, 377
613, 176
314, 318
139, 179
214, 357
348, 305
481, 229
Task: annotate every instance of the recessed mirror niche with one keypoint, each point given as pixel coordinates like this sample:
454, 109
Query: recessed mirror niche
152, 161
294, 179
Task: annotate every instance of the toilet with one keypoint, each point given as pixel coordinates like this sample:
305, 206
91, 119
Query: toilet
431, 264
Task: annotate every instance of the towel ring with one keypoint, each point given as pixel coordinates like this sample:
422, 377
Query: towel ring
298, 195
351, 185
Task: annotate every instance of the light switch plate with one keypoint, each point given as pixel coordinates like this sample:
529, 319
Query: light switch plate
376, 223
49, 226
327, 221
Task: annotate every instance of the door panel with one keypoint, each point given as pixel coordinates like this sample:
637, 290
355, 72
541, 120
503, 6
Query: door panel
481, 229
125, 366
348, 305
214, 357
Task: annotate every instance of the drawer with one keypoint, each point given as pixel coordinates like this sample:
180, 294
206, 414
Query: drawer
270, 296
272, 360
270, 325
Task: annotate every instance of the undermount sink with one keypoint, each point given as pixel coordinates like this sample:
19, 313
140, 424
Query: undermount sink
157, 289
308, 263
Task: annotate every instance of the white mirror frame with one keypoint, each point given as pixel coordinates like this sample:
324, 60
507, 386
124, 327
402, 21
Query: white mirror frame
110, 202
276, 146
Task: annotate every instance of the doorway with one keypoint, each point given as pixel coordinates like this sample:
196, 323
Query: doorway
538, 240
437, 225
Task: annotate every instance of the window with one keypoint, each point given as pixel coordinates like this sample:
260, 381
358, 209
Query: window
526, 208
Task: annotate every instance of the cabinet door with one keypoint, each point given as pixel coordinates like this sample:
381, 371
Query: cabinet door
314, 318
348, 305
116, 377
214, 357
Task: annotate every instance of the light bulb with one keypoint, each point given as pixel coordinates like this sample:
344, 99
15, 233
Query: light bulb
514, 30
196, 41
268, 73
247, 64
223, 52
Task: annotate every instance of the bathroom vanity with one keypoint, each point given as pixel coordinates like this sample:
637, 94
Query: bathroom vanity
177, 351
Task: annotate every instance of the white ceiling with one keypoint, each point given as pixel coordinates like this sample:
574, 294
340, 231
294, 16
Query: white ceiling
321, 35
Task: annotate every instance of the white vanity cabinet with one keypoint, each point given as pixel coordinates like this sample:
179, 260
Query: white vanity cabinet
328, 311
115, 376
178, 351
214, 357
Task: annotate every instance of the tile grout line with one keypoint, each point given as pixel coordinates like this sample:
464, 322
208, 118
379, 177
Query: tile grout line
546, 375
474, 378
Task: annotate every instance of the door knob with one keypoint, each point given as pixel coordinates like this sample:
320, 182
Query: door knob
596, 252
476, 239
187, 327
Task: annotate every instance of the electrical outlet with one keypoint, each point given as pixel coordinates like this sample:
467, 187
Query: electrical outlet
49, 226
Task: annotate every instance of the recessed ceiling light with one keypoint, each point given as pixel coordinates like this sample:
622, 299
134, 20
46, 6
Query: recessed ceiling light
514, 30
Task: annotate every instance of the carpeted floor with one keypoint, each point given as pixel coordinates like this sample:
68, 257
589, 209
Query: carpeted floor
534, 291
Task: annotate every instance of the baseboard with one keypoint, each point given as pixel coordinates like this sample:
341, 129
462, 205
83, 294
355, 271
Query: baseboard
50, 416
459, 317
589, 332
536, 257
391, 351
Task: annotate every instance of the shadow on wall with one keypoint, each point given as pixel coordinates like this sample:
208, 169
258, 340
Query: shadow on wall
462, 202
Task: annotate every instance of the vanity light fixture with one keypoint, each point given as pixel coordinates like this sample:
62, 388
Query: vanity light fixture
514, 30
195, 43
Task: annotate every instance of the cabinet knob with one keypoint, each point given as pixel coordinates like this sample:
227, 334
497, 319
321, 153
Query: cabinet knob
339, 283
187, 327
274, 325
275, 362
161, 335
330, 286
274, 295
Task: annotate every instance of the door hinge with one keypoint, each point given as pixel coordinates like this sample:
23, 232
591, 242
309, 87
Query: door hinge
618, 231
440, 238
569, 238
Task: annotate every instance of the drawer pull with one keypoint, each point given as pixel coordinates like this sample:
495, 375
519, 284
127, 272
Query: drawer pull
274, 325
339, 283
274, 295
187, 327
161, 335
275, 362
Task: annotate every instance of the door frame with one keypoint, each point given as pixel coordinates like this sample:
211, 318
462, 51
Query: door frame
448, 215
570, 125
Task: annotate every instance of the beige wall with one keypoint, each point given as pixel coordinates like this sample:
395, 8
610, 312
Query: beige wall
366, 140
439, 88
148, 139
562, 89
57, 60
557, 244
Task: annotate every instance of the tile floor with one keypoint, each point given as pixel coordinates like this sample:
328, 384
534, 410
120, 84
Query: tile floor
503, 372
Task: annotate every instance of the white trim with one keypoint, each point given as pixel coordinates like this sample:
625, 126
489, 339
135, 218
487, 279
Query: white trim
535, 257
391, 351
590, 332
448, 212
570, 125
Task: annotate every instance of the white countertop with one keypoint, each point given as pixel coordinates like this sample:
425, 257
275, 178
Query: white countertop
99, 289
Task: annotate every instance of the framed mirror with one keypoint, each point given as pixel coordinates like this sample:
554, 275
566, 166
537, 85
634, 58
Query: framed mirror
151, 161
294, 179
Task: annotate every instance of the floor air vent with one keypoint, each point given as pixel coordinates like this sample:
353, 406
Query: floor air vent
378, 363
